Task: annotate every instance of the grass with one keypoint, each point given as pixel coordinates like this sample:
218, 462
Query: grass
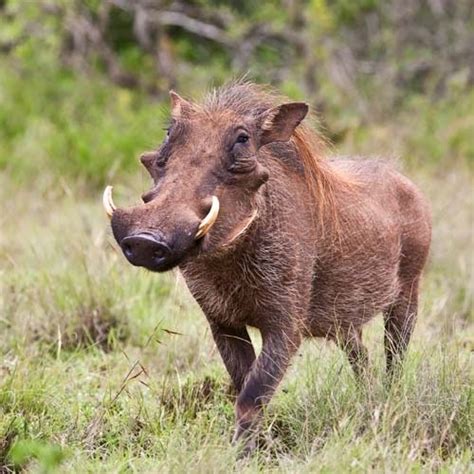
109, 368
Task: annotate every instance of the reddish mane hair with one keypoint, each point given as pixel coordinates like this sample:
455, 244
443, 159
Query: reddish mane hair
322, 179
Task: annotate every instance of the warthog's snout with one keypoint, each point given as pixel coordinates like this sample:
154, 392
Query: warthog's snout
157, 245
146, 250
151, 236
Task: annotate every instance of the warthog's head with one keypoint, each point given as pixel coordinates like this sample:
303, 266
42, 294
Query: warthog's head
206, 181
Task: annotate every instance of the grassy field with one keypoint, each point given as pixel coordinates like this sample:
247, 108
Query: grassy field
108, 368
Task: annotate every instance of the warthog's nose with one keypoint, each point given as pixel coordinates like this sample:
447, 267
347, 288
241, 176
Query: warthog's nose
145, 250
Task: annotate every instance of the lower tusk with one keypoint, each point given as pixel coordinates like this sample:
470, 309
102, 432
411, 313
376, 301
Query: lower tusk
107, 201
209, 220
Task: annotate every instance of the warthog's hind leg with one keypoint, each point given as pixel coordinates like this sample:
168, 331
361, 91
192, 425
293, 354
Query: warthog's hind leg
400, 320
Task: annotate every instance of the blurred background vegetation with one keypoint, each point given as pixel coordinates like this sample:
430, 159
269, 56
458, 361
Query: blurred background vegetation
82, 81
108, 368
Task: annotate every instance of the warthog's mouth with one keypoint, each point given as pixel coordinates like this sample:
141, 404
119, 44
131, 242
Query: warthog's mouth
204, 226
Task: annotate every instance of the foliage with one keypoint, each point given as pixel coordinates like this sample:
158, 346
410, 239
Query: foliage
108, 369
59, 110
65, 124
49, 456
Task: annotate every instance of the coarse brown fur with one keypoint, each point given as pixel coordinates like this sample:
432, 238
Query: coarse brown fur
332, 244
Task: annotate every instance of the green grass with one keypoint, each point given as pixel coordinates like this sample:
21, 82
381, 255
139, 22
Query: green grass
72, 126
105, 367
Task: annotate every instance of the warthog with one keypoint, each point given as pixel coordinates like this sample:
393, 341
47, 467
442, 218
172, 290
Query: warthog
269, 233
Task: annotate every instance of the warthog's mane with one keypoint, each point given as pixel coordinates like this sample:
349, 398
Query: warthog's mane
323, 180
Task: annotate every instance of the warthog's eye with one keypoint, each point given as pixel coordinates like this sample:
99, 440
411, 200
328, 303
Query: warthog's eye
163, 151
160, 157
242, 138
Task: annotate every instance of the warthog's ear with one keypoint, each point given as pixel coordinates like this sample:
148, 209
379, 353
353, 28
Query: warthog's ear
179, 107
278, 124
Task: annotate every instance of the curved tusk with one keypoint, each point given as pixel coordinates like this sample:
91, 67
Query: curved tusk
209, 220
107, 201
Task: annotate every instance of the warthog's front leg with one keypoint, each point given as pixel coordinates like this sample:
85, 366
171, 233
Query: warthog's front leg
236, 350
279, 345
